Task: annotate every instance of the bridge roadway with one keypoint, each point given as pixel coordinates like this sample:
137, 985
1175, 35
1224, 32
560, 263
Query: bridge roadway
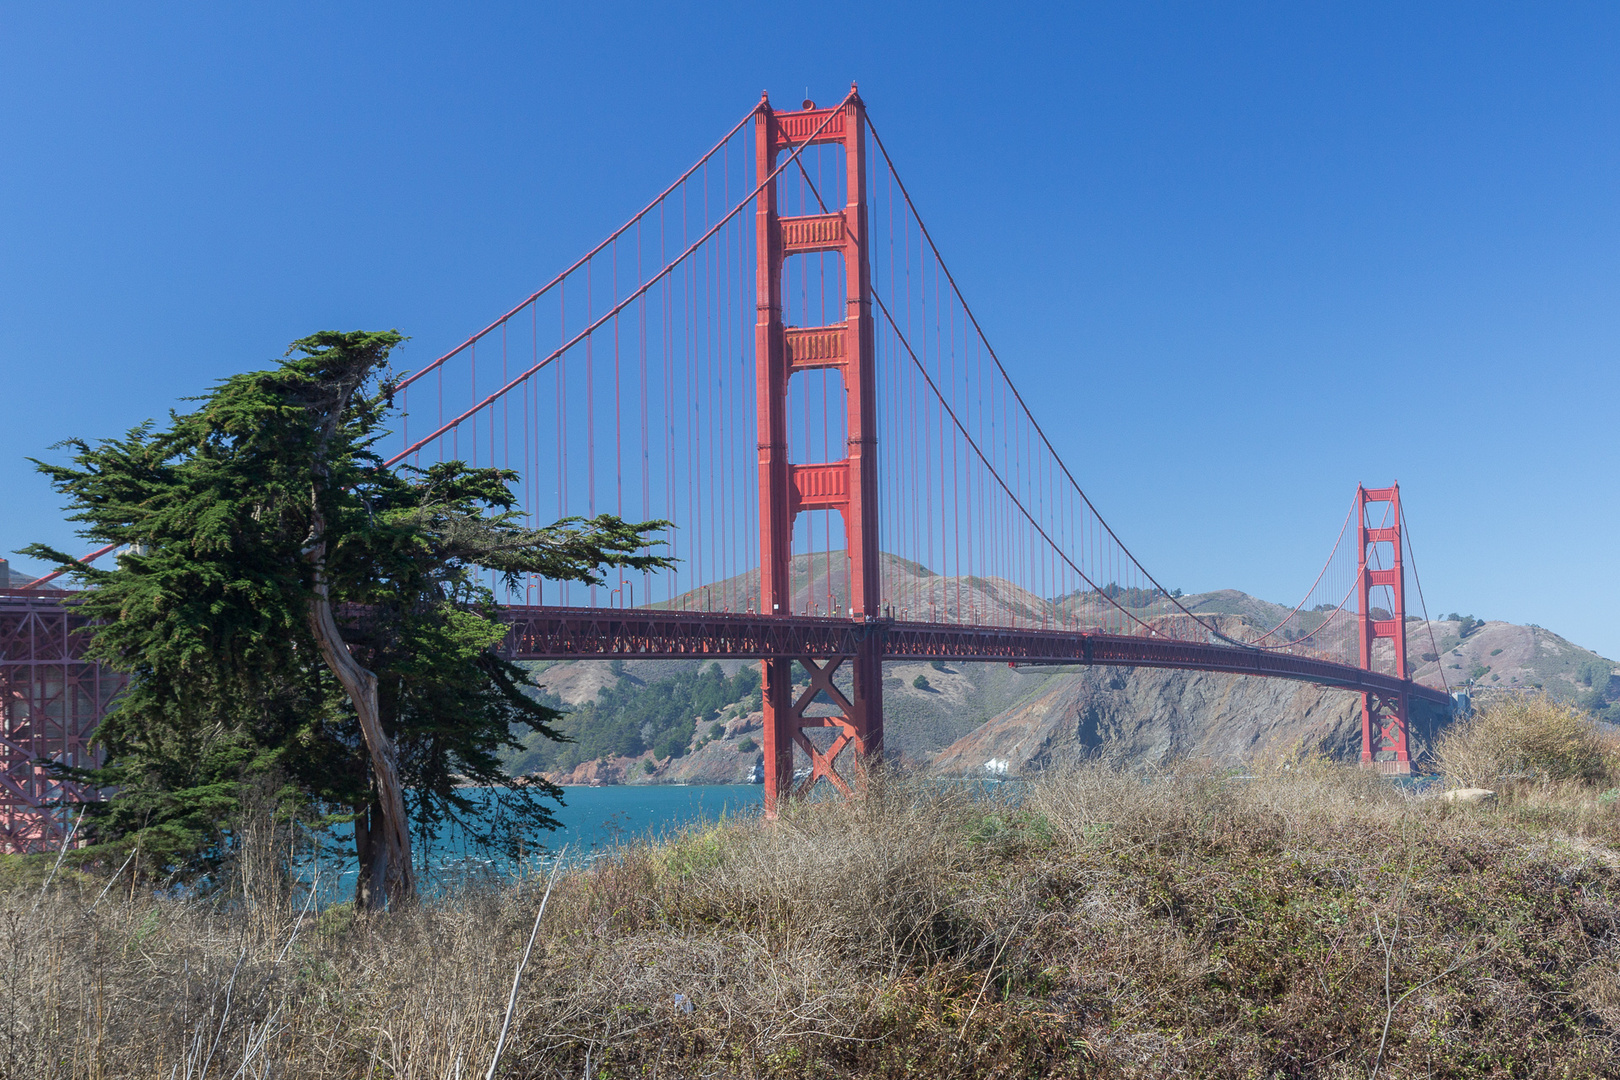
36, 630
564, 633
51, 697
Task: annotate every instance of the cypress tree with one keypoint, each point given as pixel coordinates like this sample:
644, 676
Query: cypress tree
286, 606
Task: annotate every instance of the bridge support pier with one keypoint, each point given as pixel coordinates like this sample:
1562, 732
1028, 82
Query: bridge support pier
855, 720
1385, 718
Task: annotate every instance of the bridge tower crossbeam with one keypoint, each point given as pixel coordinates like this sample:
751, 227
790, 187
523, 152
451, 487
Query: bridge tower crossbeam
850, 485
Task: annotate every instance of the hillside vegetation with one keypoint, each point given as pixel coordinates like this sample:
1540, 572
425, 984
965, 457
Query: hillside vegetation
629, 717
1306, 920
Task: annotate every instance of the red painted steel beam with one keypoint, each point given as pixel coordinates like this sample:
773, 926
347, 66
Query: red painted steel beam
54, 574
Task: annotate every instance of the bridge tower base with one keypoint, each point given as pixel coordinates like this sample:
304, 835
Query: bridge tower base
848, 486
1385, 717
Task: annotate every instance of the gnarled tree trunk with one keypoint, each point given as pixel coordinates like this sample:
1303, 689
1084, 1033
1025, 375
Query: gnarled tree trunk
383, 842
386, 874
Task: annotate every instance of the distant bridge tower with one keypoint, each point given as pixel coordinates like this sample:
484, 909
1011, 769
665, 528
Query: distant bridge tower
850, 485
1384, 714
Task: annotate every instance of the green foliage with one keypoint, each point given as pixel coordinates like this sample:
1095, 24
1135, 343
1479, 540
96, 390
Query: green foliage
209, 608
1010, 831
748, 745
921, 682
1598, 676
717, 731
695, 851
937, 665
1467, 624
672, 745
630, 718
1132, 597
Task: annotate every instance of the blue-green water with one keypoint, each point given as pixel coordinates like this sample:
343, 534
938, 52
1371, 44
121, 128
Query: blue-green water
595, 820
600, 817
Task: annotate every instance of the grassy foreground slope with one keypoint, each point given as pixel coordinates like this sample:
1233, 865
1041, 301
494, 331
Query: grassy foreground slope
1312, 922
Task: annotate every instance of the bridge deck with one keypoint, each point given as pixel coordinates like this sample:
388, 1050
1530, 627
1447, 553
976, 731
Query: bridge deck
51, 697
557, 633
564, 633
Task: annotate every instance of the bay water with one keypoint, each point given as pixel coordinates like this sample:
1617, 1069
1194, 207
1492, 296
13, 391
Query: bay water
595, 820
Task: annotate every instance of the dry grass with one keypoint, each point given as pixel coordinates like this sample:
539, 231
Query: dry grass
1309, 922
1523, 736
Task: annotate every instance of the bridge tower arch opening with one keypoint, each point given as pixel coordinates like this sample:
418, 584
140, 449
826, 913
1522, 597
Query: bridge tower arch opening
848, 485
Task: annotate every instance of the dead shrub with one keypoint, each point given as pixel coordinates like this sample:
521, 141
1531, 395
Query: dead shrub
1524, 736
1597, 986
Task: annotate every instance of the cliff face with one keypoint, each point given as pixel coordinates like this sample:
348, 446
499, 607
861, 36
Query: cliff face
1141, 716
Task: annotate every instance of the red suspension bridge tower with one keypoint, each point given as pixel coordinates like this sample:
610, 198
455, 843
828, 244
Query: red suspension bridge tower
850, 485
1384, 713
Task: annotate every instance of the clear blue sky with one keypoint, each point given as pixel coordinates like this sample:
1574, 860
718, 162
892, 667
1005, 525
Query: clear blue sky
1242, 259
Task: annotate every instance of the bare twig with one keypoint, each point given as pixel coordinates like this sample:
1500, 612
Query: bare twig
300, 921
517, 976
1389, 1015
66, 840
986, 985
115, 877
229, 988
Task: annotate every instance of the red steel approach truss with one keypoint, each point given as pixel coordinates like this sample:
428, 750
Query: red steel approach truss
50, 701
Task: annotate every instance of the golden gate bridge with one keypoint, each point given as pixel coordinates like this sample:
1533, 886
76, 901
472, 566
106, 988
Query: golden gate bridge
773, 356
